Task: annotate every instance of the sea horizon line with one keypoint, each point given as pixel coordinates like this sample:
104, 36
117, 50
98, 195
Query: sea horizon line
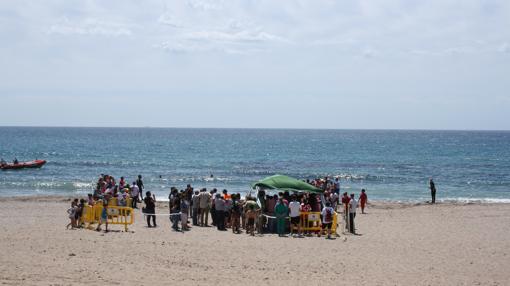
255, 128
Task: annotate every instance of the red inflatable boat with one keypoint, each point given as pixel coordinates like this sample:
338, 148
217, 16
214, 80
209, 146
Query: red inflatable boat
22, 165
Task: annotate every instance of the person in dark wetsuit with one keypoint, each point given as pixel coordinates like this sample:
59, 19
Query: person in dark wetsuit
433, 191
150, 208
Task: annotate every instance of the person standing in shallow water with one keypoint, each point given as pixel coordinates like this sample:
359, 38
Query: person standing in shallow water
432, 191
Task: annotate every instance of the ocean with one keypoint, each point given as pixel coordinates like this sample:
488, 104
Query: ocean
467, 166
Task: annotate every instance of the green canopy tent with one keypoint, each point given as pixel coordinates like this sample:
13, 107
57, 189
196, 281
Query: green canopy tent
285, 183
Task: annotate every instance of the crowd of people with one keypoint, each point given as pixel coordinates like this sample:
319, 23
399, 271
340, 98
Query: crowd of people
107, 190
192, 207
108, 187
262, 212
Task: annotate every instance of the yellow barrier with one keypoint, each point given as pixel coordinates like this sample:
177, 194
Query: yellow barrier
116, 215
311, 221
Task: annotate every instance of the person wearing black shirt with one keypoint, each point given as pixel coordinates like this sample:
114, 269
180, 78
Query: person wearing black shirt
174, 205
433, 191
150, 208
139, 183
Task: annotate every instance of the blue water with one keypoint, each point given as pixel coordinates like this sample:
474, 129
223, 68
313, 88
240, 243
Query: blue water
391, 165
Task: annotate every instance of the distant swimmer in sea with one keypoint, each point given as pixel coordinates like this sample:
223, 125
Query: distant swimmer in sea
432, 190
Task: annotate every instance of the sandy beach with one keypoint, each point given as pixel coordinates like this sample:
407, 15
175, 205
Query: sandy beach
445, 244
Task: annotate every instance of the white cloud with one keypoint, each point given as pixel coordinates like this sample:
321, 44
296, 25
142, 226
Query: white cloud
480, 48
504, 48
233, 37
316, 48
177, 47
205, 5
89, 26
170, 20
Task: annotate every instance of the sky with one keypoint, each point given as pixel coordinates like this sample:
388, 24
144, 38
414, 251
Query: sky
386, 64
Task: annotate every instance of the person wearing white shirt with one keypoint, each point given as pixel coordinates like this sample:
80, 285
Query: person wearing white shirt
327, 218
334, 200
353, 204
295, 216
135, 192
195, 206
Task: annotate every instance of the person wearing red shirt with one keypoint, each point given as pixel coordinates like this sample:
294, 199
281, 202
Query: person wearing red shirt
363, 200
345, 201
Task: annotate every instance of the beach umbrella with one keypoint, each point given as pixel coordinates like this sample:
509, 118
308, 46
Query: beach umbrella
285, 183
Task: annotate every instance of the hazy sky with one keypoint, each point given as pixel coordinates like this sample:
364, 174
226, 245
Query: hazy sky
435, 64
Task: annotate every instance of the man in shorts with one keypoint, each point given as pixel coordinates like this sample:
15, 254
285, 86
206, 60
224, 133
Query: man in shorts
327, 218
295, 215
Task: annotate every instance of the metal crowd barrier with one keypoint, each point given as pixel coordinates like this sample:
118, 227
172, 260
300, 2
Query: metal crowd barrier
311, 221
116, 215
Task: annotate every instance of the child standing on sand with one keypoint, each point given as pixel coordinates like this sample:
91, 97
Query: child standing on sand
72, 215
305, 208
104, 217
